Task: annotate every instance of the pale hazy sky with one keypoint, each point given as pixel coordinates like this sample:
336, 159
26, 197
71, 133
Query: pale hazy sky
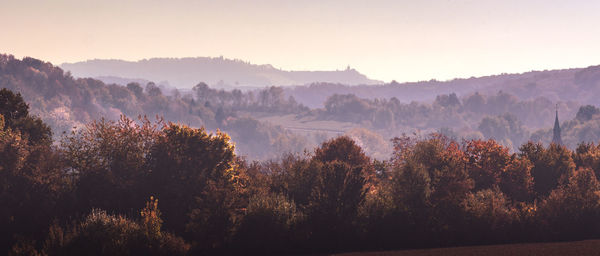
401, 40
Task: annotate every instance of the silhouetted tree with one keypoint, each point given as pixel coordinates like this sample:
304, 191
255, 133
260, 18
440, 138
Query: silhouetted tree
194, 173
16, 117
551, 166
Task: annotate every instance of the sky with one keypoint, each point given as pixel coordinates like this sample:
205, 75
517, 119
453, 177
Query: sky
386, 40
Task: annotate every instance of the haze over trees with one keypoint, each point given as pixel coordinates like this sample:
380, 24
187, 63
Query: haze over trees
534, 93
577, 84
131, 187
65, 102
217, 72
265, 122
146, 172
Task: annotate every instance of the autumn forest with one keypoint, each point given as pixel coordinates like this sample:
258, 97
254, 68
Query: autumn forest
146, 173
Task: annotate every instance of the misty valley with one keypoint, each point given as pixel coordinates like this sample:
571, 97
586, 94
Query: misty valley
130, 167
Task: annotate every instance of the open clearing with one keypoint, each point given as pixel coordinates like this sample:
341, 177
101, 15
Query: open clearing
310, 123
587, 247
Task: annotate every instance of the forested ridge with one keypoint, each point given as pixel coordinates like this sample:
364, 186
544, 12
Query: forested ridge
520, 110
66, 103
575, 84
185, 72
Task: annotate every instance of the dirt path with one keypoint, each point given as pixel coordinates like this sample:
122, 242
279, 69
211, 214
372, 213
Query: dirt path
587, 247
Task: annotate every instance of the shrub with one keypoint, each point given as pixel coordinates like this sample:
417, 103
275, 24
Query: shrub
269, 225
101, 233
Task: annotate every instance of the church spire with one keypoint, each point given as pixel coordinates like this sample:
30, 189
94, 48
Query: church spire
556, 137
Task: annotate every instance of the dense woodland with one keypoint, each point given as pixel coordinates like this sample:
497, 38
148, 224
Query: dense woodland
132, 187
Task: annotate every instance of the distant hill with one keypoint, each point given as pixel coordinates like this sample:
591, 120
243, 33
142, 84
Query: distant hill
64, 102
576, 84
507, 107
217, 72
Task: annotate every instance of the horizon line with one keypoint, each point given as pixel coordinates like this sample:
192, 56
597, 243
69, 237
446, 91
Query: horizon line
348, 67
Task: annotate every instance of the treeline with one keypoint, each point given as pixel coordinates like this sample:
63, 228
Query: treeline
502, 117
270, 100
154, 188
64, 103
445, 111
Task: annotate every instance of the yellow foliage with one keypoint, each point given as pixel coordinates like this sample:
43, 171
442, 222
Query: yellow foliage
151, 220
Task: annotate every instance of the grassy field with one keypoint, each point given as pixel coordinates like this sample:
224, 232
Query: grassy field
308, 123
587, 247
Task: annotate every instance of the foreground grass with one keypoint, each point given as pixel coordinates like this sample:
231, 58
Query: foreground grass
587, 247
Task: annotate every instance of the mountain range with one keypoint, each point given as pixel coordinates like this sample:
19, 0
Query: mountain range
217, 72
